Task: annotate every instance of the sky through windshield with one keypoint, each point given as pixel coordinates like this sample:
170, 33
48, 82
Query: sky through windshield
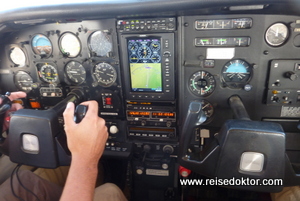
28, 3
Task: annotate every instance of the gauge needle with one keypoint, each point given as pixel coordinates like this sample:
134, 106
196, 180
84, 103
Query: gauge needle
110, 75
276, 32
205, 106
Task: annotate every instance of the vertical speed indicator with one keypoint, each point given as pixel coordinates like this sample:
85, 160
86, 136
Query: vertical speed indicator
202, 83
105, 74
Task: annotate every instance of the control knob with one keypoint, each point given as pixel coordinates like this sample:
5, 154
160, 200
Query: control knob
171, 25
113, 129
168, 149
291, 75
147, 148
167, 54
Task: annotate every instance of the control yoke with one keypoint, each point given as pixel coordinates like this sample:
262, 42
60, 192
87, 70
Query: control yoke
35, 136
4, 107
195, 117
242, 148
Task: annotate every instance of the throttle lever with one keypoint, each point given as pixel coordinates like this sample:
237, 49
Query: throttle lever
80, 113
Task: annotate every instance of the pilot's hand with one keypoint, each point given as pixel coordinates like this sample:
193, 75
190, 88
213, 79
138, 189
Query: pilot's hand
86, 140
14, 106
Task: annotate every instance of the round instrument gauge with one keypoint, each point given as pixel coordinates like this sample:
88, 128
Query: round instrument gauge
155, 58
133, 58
23, 81
236, 71
100, 43
132, 46
155, 46
105, 74
202, 83
208, 109
276, 34
144, 52
17, 56
75, 72
41, 45
48, 73
69, 45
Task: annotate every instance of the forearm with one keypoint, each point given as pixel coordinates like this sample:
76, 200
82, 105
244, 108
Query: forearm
80, 184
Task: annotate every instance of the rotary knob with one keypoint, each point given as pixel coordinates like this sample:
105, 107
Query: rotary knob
113, 129
291, 75
168, 149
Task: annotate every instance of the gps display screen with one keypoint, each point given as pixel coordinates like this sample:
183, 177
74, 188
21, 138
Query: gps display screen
145, 64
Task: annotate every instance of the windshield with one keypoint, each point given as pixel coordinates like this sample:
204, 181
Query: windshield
30, 3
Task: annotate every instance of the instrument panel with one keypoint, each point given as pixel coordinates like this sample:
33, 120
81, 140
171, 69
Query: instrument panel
205, 58
146, 69
50, 60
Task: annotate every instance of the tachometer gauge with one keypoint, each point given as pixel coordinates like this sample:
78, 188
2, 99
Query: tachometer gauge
17, 56
105, 74
236, 71
276, 34
69, 45
23, 81
202, 83
75, 72
41, 45
48, 73
100, 43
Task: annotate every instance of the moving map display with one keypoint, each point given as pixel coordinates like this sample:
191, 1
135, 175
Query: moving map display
145, 64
